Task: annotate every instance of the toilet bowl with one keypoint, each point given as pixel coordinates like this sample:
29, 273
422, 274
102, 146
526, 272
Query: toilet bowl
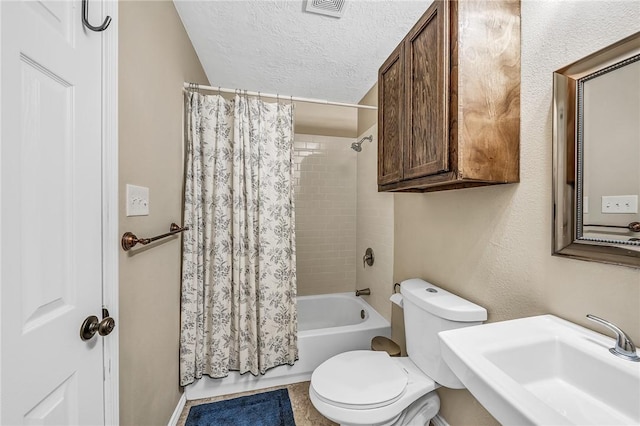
372, 388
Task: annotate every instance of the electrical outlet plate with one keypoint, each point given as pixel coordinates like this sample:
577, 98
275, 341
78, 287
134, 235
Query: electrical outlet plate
619, 204
137, 200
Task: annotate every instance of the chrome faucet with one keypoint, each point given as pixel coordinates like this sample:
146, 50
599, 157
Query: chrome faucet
624, 345
363, 292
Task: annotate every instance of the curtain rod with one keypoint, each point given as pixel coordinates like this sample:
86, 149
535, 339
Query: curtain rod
195, 86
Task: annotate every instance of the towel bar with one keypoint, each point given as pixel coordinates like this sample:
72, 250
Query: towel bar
129, 240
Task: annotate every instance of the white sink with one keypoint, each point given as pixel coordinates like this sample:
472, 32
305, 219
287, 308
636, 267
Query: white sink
544, 371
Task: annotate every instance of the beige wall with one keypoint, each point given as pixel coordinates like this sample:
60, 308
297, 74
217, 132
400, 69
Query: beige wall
384, 203
325, 197
493, 245
325, 120
374, 229
155, 58
368, 117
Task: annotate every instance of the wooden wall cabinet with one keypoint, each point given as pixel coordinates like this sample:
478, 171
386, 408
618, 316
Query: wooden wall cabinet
449, 100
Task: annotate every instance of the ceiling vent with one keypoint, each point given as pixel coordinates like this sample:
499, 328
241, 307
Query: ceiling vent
333, 8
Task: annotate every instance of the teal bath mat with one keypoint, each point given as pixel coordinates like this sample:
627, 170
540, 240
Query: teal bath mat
262, 409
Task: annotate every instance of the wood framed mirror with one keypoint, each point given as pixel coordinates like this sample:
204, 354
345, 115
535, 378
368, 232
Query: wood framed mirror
596, 156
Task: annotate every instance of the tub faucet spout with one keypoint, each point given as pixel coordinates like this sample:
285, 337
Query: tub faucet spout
363, 292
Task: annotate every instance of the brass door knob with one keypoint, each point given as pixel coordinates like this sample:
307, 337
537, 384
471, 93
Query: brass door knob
89, 327
106, 326
92, 325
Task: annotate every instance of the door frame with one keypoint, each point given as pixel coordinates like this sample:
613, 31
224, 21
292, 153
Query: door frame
110, 241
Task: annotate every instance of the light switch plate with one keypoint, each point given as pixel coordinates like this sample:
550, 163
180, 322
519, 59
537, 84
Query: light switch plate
616, 204
137, 200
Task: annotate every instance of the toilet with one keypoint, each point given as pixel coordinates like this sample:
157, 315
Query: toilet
372, 388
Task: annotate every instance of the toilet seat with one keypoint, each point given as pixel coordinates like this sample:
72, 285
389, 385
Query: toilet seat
360, 380
384, 408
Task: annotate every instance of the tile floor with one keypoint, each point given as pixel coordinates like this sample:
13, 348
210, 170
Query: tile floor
304, 413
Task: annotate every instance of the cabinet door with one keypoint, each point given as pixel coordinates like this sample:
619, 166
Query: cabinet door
426, 144
390, 117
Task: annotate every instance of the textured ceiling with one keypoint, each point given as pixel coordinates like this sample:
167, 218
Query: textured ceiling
276, 47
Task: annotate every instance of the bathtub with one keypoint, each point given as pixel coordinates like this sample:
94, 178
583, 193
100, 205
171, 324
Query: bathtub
328, 324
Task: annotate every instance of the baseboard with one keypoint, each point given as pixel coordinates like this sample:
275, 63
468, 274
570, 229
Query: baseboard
173, 421
438, 420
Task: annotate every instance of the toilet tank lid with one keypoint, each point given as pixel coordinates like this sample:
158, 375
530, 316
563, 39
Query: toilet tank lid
440, 302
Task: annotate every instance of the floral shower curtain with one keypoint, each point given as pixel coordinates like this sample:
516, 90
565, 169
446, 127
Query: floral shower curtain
238, 307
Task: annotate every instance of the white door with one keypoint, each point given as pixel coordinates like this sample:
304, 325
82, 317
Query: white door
50, 223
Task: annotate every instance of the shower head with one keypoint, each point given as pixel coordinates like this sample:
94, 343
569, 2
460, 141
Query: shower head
357, 146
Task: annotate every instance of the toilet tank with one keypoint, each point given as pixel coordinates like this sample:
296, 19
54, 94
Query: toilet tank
429, 310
